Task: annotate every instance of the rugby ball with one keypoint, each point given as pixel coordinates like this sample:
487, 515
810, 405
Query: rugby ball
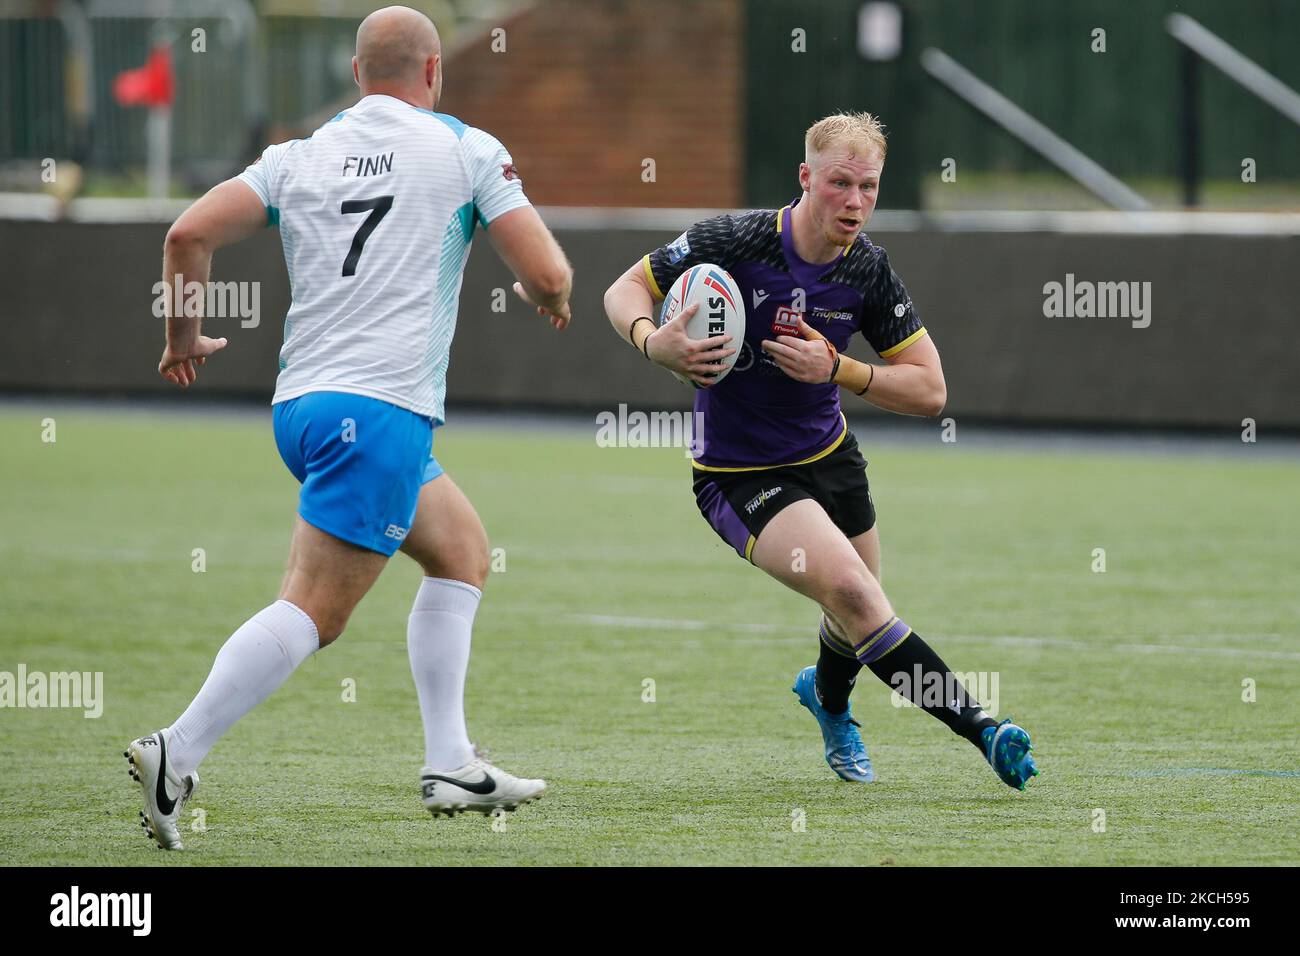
721, 311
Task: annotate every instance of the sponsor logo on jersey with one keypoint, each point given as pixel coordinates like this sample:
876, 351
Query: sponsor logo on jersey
757, 501
395, 532
786, 321
830, 315
508, 171
679, 249
901, 309
760, 296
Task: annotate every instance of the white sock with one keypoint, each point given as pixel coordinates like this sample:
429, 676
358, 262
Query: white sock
257, 659
437, 639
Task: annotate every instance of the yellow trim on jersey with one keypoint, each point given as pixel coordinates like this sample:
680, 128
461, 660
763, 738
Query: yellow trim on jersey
844, 250
821, 454
649, 274
895, 349
749, 549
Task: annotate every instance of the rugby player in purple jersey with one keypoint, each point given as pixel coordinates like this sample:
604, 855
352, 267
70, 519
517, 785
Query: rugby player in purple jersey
776, 470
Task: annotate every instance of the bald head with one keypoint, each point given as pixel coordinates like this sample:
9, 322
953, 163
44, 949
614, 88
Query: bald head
398, 50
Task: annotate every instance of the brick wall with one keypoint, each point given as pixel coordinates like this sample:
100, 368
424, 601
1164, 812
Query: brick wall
585, 91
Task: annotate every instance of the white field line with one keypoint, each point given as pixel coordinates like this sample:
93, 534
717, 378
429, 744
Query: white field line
662, 624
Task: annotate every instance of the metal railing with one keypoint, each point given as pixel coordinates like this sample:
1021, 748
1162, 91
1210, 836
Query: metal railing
1030, 131
47, 79
1200, 44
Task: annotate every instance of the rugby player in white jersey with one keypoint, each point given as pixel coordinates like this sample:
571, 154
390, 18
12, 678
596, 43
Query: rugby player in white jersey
376, 211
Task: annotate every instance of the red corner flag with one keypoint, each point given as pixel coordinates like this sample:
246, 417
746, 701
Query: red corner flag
153, 84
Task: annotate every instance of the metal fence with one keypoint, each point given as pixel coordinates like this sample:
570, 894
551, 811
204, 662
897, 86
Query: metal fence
45, 79
241, 71
1115, 95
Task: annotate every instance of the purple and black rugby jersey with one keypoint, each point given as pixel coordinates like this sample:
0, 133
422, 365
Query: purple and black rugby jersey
758, 417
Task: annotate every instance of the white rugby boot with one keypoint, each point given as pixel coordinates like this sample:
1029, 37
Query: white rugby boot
476, 786
165, 793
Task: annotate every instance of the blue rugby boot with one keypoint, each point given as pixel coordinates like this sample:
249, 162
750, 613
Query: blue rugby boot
1007, 748
845, 751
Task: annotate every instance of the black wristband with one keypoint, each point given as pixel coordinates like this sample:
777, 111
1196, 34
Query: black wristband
869, 381
835, 369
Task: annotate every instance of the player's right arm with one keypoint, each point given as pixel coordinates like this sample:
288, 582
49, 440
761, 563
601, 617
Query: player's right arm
516, 230
228, 213
630, 304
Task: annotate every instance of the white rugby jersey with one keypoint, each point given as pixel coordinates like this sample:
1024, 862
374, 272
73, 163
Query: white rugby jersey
376, 212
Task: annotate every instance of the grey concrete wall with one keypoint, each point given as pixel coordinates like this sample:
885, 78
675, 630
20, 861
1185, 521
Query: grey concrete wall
1223, 341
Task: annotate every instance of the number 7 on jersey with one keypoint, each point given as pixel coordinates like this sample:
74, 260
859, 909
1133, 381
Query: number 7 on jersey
378, 208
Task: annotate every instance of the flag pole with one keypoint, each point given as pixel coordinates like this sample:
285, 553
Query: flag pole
158, 137
158, 124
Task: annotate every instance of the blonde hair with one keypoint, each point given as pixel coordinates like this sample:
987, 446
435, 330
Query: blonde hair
860, 130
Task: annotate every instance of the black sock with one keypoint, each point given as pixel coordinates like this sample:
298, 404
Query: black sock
914, 670
836, 675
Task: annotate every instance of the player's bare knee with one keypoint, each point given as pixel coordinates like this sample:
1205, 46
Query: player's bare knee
475, 561
844, 598
461, 573
330, 622
482, 563
855, 600
469, 566
477, 571
329, 627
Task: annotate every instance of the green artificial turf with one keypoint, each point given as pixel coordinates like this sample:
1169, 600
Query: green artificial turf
1130, 681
